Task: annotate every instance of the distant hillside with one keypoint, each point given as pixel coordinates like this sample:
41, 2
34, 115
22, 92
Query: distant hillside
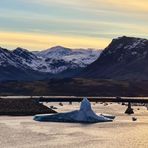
76, 87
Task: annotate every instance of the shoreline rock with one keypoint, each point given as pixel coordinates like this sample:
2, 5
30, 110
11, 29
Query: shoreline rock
22, 107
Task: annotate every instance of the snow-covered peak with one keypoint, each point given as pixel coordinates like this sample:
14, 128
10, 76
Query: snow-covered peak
3, 50
24, 53
59, 49
54, 51
59, 58
126, 49
128, 42
19, 49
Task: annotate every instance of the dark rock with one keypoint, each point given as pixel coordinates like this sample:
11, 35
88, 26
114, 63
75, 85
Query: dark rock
61, 104
22, 107
134, 118
70, 103
53, 107
123, 103
105, 104
129, 110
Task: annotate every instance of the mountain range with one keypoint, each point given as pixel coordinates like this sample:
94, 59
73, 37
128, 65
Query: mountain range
125, 58
22, 64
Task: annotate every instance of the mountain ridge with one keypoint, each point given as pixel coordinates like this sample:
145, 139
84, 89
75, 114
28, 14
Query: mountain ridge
21, 64
125, 58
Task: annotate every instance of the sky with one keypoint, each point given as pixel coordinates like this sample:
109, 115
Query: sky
41, 24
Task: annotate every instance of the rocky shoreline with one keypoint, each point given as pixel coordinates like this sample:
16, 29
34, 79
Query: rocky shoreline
22, 107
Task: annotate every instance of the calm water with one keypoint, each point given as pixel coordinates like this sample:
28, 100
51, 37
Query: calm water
23, 132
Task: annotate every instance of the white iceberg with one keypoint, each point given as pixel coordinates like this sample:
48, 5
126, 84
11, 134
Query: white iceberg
84, 115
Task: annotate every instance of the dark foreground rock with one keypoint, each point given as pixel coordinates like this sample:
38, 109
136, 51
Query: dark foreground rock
129, 109
22, 107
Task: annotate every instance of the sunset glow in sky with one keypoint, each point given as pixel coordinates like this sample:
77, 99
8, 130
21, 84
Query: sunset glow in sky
40, 24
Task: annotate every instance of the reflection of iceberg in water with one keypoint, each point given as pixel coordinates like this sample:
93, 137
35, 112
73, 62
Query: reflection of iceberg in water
84, 115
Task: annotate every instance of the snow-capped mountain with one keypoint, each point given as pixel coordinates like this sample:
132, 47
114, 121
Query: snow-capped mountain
58, 59
21, 63
124, 58
14, 67
56, 52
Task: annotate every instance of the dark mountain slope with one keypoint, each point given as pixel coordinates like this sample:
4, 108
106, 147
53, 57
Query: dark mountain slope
126, 58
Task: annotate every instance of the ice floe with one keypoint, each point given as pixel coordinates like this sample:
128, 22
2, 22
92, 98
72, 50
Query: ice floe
84, 115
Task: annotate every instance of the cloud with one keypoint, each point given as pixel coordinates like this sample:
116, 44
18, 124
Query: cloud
70, 26
72, 23
36, 41
116, 5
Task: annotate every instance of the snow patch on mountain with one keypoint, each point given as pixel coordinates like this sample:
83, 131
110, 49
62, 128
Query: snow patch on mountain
58, 59
54, 60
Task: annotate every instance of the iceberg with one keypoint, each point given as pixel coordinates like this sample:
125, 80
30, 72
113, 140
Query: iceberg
84, 115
